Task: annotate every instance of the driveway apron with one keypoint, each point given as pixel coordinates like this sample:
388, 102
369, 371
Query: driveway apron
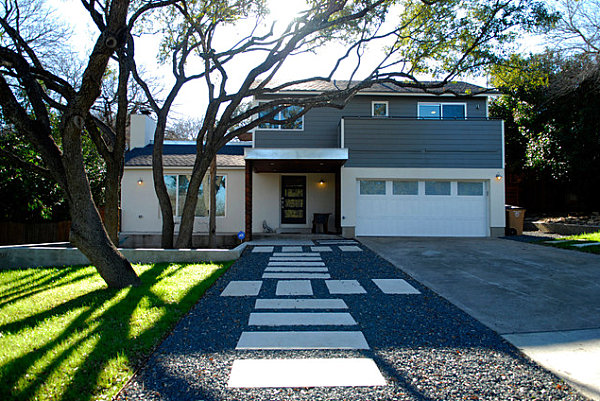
334, 321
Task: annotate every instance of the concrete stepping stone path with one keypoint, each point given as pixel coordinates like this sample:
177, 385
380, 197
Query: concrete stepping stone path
350, 248
294, 287
296, 275
302, 340
294, 271
395, 286
301, 319
242, 289
314, 372
344, 287
300, 304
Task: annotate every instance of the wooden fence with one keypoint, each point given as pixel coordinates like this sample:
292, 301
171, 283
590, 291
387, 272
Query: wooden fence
34, 233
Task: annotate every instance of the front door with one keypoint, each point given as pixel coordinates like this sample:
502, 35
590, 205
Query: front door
293, 199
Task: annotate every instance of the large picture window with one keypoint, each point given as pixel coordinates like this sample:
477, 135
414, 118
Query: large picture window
288, 112
177, 186
442, 111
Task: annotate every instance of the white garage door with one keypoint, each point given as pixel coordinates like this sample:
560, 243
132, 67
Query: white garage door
422, 208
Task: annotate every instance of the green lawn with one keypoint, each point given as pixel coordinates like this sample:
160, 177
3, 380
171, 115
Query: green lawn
65, 336
578, 239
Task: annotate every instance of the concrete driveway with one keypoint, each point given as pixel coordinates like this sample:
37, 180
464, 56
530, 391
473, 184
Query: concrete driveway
546, 301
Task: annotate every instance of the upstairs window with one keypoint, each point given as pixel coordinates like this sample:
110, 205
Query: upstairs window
379, 109
177, 186
288, 112
442, 111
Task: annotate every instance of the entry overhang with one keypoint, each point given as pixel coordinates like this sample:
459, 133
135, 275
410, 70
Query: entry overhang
296, 160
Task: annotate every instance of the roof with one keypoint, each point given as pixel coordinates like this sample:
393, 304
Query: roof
457, 87
179, 155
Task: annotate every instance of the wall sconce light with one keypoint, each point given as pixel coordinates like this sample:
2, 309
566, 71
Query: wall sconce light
140, 182
498, 177
322, 182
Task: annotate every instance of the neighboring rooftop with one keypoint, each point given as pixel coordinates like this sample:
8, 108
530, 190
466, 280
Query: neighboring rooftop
456, 87
183, 155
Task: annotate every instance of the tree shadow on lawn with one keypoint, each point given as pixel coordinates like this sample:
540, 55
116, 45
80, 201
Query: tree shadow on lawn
42, 283
85, 351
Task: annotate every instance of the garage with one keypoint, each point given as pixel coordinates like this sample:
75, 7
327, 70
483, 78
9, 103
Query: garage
427, 208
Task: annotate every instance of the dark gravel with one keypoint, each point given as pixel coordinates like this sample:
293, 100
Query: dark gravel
426, 348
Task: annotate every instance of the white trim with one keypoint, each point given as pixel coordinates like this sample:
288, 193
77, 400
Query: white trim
342, 133
382, 94
441, 104
387, 107
296, 154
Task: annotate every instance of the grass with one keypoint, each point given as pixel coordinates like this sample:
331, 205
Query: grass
65, 336
578, 239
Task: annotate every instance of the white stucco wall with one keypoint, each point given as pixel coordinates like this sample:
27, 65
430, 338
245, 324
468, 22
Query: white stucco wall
349, 176
141, 213
266, 199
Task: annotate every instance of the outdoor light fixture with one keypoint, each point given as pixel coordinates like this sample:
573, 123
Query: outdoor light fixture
140, 182
322, 182
498, 177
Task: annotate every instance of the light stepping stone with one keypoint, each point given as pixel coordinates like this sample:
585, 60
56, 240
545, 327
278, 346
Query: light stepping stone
262, 249
558, 241
294, 287
300, 304
296, 264
305, 255
301, 319
242, 289
395, 286
294, 259
296, 275
587, 244
302, 340
344, 287
321, 249
352, 248
296, 269
311, 372
291, 249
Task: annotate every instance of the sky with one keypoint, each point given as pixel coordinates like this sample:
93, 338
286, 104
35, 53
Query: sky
191, 101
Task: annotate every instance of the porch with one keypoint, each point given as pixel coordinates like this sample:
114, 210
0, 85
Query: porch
293, 191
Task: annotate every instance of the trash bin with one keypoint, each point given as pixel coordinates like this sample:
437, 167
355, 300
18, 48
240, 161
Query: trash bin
514, 220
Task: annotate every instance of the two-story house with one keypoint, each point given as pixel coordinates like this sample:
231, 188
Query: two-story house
393, 162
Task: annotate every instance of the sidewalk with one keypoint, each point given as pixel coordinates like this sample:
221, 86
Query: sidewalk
332, 320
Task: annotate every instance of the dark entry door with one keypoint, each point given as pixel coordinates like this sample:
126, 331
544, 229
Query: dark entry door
293, 199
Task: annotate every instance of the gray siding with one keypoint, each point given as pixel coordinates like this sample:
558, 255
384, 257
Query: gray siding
373, 142
321, 126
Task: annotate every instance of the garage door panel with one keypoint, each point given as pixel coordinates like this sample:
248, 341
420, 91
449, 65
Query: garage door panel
422, 215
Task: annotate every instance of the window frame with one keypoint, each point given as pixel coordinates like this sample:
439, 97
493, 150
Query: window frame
441, 104
385, 189
278, 127
399, 180
176, 210
387, 108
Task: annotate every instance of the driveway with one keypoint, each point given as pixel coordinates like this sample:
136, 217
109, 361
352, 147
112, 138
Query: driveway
546, 301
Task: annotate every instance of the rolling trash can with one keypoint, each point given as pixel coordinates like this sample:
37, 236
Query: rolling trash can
515, 216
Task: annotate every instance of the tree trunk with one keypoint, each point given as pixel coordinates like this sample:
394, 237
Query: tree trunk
166, 210
212, 219
112, 193
87, 232
114, 166
186, 229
